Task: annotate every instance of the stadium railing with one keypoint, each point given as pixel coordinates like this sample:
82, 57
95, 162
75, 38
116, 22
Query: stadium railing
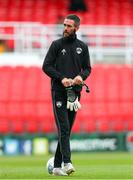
108, 44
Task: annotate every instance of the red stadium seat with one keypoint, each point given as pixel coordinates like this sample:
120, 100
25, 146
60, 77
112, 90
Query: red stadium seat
129, 125
4, 126
98, 84
91, 126
43, 89
114, 110
118, 125
125, 84
77, 126
31, 84
5, 82
113, 83
104, 126
17, 127
47, 125
31, 126
17, 83
126, 110
29, 111
3, 109
45, 117
44, 110
14, 110
99, 110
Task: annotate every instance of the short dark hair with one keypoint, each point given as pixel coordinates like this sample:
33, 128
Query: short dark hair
75, 18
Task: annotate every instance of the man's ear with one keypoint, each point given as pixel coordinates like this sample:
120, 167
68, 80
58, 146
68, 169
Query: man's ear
77, 28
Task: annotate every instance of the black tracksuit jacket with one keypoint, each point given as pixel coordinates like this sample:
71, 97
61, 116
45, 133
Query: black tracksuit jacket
66, 58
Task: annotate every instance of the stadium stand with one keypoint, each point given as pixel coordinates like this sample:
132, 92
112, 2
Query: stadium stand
25, 98
25, 101
103, 12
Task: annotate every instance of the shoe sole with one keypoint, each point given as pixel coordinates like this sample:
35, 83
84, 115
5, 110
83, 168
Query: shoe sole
59, 175
56, 174
70, 171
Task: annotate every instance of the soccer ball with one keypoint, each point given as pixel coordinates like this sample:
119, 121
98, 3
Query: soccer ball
50, 165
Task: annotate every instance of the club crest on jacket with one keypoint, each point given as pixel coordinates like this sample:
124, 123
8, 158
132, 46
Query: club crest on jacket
58, 104
78, 50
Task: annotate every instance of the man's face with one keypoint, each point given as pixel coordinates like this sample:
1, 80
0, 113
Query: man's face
69, 28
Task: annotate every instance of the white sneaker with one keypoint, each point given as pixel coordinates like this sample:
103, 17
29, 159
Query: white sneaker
59, 172
68, 168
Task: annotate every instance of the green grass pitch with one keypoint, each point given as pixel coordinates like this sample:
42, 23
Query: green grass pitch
109, 165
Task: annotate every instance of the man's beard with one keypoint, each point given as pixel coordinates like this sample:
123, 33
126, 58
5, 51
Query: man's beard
70, 36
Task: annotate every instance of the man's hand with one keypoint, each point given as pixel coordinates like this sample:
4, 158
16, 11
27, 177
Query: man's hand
78, 80
67, 82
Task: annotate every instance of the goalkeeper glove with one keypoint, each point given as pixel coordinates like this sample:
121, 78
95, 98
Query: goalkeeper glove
72, 100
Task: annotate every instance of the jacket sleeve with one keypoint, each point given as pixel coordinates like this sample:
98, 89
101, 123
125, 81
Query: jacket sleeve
86, 66
49, 64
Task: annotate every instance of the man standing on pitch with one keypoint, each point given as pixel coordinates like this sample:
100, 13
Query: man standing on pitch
67, 63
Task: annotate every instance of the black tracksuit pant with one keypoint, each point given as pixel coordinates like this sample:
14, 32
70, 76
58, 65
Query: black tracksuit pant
64, 120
